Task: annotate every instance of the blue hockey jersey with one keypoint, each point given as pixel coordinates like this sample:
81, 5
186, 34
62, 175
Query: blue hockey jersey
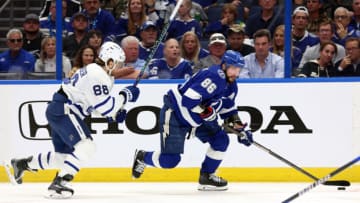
159, 69
208, 87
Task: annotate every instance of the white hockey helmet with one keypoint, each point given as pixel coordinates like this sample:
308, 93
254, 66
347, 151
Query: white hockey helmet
112, 55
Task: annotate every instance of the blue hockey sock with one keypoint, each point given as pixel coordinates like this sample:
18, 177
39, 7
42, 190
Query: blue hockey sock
209, 165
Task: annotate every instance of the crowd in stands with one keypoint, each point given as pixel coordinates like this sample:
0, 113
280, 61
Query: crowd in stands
325, 37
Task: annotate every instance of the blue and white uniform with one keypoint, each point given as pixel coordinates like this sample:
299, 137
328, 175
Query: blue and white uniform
180, 117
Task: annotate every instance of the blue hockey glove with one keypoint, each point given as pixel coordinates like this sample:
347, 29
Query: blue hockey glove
247, 139
131, 93
120, 117
209, 114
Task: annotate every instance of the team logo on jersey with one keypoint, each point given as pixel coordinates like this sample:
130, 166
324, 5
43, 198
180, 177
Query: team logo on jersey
221, 73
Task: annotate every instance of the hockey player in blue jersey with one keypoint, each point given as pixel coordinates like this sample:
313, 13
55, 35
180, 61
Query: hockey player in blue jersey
192, 108
88, 91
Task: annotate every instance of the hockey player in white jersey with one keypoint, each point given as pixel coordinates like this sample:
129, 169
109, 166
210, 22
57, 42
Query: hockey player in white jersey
88, 91
192, 109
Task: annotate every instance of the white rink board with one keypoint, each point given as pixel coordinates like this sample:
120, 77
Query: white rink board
330, 110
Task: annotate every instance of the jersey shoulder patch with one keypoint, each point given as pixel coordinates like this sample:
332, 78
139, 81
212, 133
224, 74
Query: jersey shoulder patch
221, 73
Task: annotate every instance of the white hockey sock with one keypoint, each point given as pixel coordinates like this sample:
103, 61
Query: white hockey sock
71, 165
49, 160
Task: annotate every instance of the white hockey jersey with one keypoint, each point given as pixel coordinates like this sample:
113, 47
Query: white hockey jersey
89, 90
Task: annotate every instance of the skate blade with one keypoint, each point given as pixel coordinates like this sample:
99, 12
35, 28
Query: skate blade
54, 195
11, 177
211, 188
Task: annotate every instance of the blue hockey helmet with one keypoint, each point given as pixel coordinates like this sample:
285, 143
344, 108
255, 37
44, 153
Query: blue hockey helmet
233, 58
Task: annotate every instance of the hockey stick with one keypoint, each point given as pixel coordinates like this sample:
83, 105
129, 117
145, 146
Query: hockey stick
330, 182
158, 41
322, 180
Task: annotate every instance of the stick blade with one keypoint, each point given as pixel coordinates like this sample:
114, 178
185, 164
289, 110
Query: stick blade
337, 183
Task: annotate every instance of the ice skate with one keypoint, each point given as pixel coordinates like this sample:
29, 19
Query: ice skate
59, 187
211, 182
19, 167
139, 164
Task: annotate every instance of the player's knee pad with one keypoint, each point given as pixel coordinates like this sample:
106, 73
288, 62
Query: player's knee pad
84, 149
169, 160
220, 141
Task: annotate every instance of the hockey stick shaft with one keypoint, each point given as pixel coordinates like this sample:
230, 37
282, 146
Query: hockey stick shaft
158, 42
322, 180
334, 182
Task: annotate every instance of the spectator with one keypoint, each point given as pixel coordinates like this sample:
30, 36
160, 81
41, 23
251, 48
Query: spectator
217, 48
84, 56
355, 21
316, 15
278, 47
343, 30
229, 15
205, 4
95, 39
184, 22
48, 24
172, 66
47, 60
76, 40
132, 64
262, 63
326, 31
350, 64
99, 19
136, 16
190, 48
267, 18
236, 37
32, 34
73, 6
322, 66
148, 36
16, 59
300, 36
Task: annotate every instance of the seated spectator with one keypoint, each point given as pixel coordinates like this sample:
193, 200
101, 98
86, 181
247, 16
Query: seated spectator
148, 36
217, 48
184, 22
190, 48
355, 21
16, 59
350, 64
316, 15
207, 3
172, 66
132, 64
32, 34
48, 24
322, 66
73, 6
133, 20
229, 15
47, 60
343, 30
99, 19
262, 63
236, 37
326, 32
300, 36
268, 18
72, 43
84, 56
95, 39
278, 47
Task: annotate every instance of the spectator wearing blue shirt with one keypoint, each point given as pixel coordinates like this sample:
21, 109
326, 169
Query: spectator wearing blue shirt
229, 15
16, 59
190, 48
343, 29
98, 19
355, 21
148, 37
48, 24
172, 66
262, 63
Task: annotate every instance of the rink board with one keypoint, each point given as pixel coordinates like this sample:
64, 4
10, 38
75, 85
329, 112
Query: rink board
314, 125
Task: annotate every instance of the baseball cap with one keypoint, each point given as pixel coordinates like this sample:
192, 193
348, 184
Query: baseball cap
32, 16
148, 24
78, 15
217, 37
302, 9
237, 28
